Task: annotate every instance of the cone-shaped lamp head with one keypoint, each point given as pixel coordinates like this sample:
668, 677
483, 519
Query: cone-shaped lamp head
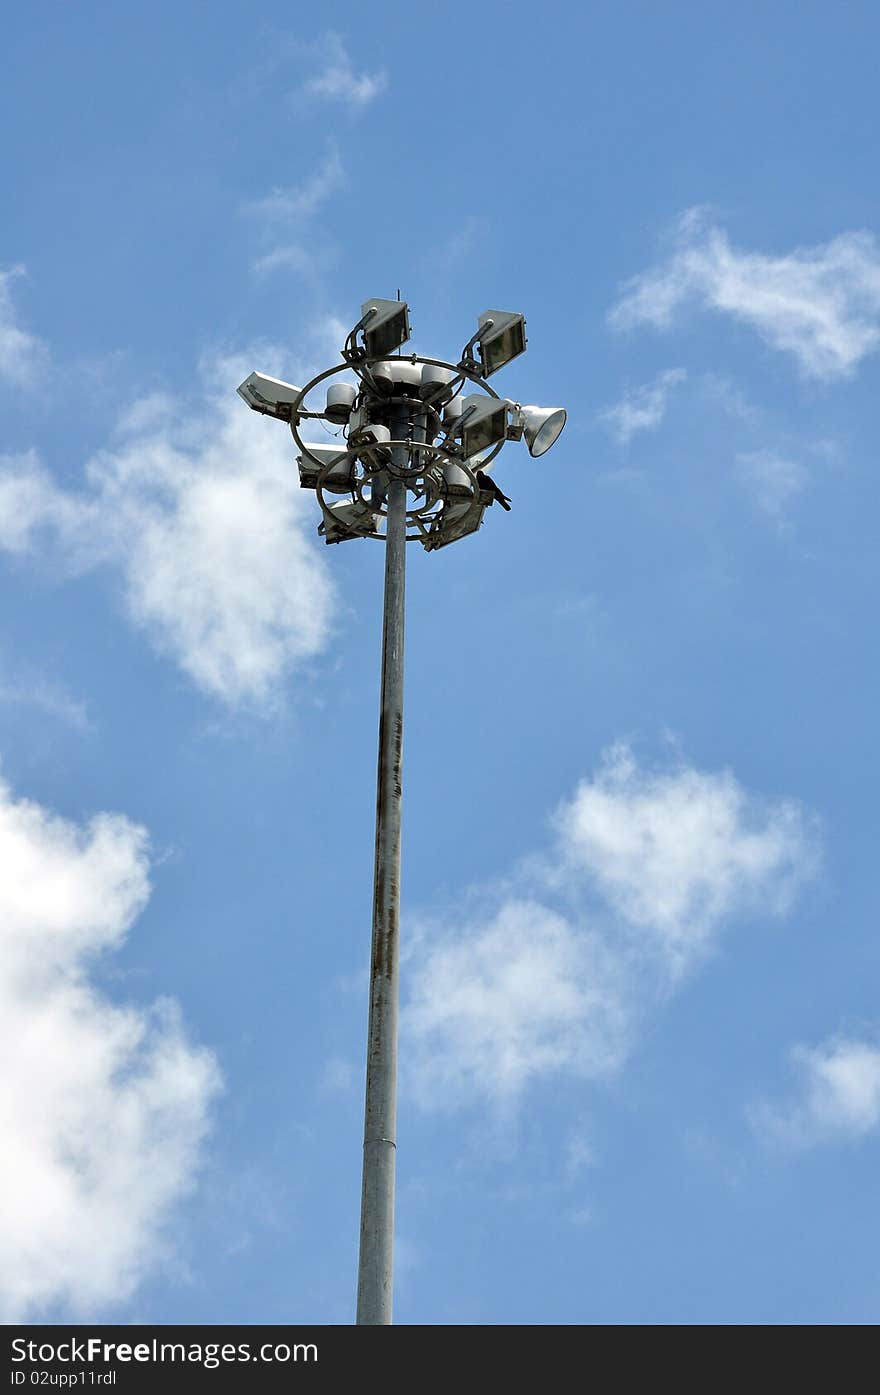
542, 427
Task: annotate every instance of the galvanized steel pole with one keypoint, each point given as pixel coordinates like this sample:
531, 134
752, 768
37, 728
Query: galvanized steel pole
376, 1267
448, 441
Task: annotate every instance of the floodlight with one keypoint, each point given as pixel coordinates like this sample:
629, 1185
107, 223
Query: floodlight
501, 337
269, 395
483, 422
541, 426
387, 327
459, 519
313, 461
340, 400
344, 518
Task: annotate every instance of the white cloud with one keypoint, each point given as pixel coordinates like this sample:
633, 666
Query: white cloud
102, 1108
675, 853
454, 248
582, 1216
837, 1096
579, 1154
198, 507
337, 80
22, 355
294, 206
30, 503
494, 1006
772, 479
642, 408
339, 1076
290, 257
730, 398
26, 688
821, 304
289, 210
645, 870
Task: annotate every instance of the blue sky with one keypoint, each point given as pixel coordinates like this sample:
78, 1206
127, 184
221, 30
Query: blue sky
640, 1050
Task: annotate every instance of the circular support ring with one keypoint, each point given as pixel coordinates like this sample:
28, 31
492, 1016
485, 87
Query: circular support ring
417, 405
424, 481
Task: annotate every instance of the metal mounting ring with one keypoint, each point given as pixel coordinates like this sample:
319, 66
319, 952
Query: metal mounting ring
421, 521
455, 368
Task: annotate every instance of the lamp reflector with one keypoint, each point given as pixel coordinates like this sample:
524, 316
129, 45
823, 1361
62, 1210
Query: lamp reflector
502, 338
388, 328
542, 427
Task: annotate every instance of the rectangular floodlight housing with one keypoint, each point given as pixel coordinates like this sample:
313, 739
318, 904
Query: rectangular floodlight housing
502, 338
388, 328
312, 462
458, 522
484, 422
343, 518
270, 396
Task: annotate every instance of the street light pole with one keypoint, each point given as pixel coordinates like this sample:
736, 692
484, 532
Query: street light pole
375, 1265
414, 468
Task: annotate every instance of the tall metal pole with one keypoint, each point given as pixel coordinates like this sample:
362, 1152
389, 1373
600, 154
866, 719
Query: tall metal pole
416, 423
376, 1268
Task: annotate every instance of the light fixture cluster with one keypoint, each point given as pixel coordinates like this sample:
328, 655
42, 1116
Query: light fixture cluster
409, 416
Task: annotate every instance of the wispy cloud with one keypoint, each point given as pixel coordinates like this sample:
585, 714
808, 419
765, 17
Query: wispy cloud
579, 1154
22, 355
31, 505
642, 408
293, 206
195, 505
773, 480
458, 245
556, 973
773, 463
339, 1076
836, 1097
820, 304
730, 398
337, 80
28, 689
287, 211
290, 257
103, 1108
